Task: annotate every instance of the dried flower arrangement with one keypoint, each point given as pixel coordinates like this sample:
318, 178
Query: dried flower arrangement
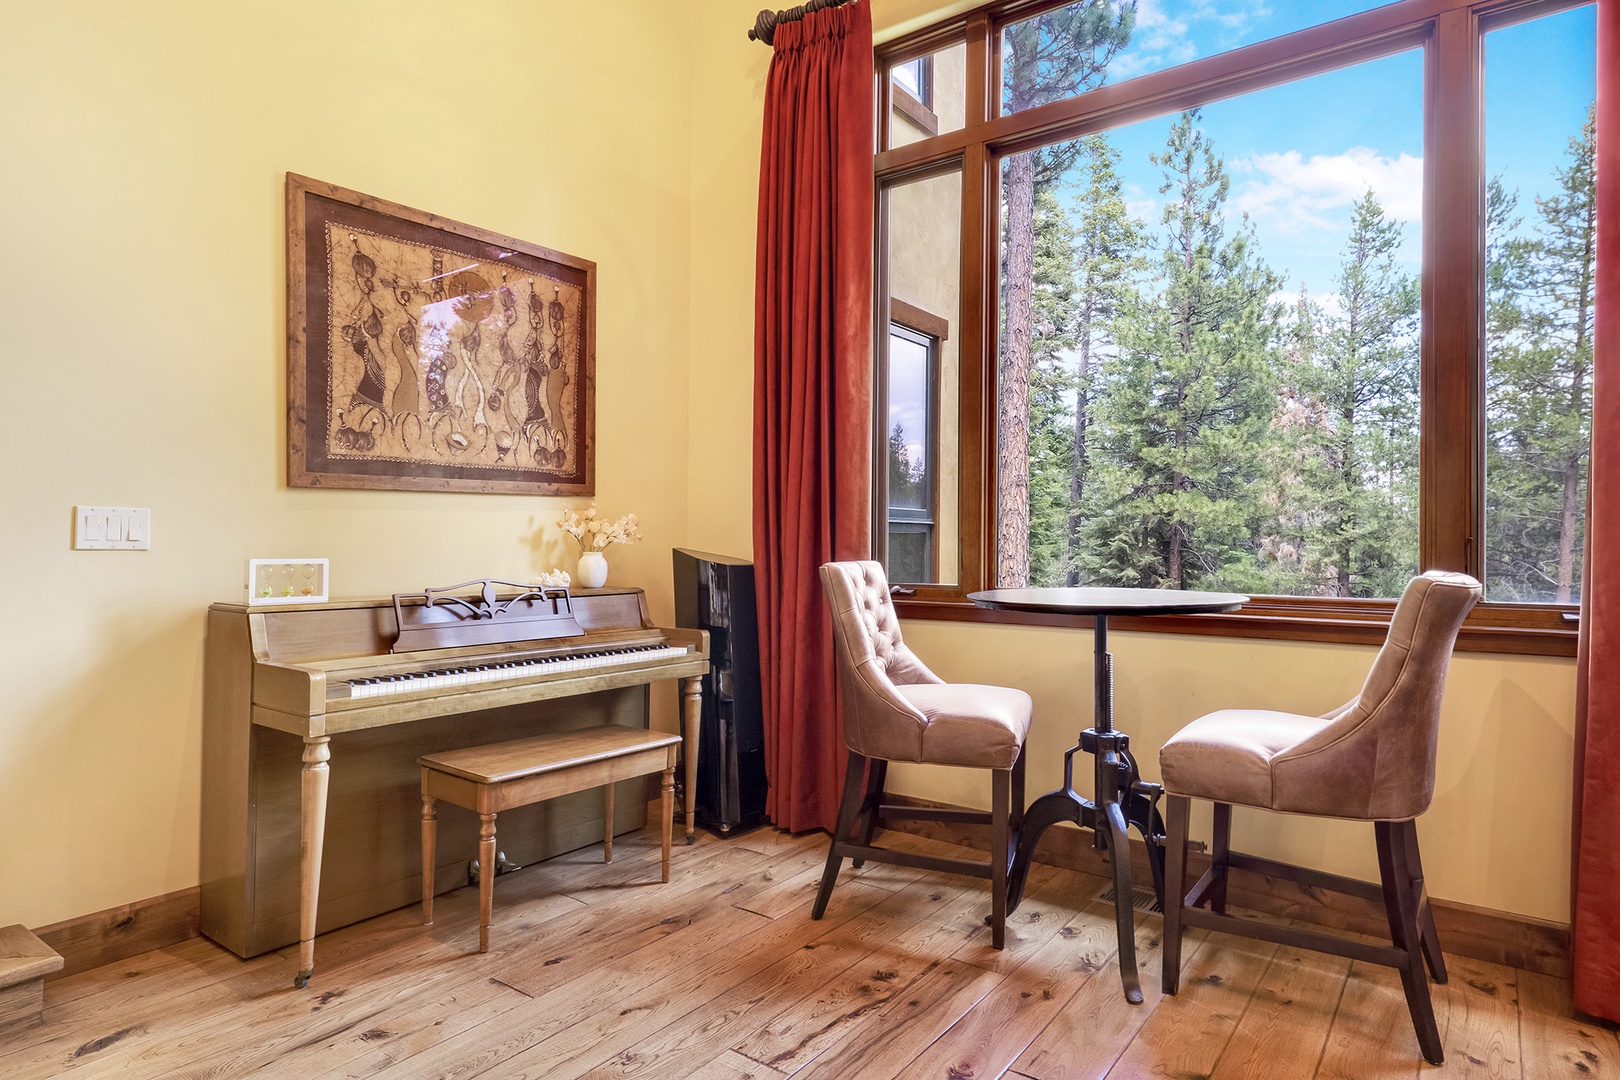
594, 534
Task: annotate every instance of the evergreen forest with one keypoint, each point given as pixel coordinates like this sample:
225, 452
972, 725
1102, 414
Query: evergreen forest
1170, 417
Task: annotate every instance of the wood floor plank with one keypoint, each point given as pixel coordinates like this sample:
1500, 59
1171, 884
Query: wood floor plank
731, 1066
907, 1026
1285, 1026
933, 926
1370, 1036
568, 977
1046, 971
1189, 1030
1478, 1015
1089, 1033
719, 1013
1554, 1041
595, 971
889, 923
260, 1001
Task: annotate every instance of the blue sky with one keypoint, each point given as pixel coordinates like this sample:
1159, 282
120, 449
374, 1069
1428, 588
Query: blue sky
1300, 154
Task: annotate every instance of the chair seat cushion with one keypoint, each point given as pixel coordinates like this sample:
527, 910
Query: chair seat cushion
969, 724
1228, 756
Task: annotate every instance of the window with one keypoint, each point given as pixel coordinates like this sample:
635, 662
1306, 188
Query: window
1539, 246
913, 454
1225, 320
918, 403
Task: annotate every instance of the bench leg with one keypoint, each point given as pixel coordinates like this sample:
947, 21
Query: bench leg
486, 877
607, 823
430, 835
666, 812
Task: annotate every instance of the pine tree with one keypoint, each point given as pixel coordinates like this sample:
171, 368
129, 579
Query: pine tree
1539, 389
1363, 379
1109, 262
1185, 413
1048, 57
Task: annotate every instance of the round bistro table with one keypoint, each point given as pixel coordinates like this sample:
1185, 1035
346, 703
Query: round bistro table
1121, 798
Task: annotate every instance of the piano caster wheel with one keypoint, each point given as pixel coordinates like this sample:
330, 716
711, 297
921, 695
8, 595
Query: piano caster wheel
690, 840
301, 980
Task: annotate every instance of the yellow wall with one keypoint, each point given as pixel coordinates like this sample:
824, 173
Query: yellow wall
141, 288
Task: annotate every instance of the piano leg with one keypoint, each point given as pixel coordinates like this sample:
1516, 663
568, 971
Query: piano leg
317, 752
693, 688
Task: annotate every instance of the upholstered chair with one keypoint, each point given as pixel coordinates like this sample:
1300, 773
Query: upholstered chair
1371, 759
895, 709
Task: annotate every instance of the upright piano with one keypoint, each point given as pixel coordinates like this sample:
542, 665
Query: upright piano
314, 716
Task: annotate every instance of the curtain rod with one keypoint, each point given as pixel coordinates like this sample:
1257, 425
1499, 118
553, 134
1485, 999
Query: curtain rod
765, 24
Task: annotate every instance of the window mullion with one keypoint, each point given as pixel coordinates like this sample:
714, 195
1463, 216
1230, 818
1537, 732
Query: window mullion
1453, 316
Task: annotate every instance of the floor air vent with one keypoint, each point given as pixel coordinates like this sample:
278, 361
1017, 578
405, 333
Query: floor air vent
1142, 898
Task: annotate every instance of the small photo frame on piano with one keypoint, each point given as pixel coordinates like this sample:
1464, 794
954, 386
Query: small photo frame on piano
287, 581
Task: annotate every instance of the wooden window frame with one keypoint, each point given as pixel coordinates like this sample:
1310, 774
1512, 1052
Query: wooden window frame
1452, 366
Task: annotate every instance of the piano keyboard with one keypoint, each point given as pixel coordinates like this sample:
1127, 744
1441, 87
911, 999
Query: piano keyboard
474, 674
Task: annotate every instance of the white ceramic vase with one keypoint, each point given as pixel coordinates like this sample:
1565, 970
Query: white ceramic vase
592, 569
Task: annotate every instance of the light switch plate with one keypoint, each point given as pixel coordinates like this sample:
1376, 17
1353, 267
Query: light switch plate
111, 528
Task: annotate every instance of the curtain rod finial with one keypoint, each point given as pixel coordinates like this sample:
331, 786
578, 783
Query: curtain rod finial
764, 28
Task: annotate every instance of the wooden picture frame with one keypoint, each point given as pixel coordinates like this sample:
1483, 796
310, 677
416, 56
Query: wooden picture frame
424, 354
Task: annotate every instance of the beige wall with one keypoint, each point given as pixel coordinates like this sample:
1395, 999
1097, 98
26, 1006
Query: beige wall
141, 292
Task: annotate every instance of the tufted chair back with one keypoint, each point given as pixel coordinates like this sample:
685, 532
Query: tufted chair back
872, 660
1375, 759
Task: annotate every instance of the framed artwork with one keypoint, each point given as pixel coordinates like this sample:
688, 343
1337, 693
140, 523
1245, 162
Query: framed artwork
428, 355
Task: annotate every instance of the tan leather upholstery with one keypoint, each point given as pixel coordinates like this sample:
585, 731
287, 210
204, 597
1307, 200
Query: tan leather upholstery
894, 707
1371, 759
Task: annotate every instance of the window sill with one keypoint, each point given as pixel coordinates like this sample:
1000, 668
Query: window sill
1491, 628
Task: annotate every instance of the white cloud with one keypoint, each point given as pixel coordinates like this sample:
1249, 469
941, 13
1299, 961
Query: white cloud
1293, 193
1161, 40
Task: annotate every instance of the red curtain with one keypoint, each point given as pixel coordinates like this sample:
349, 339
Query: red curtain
1595, 884
812, 389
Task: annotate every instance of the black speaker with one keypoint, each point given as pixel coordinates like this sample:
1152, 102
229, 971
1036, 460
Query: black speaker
716, 593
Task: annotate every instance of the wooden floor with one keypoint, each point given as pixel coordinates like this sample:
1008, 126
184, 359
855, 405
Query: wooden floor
597, 971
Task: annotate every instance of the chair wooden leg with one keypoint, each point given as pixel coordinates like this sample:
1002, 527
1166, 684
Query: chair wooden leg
877, 774
854, 772
1178, 808
1420, 896
1016, 821
486, 878
1000, 834
430, 837
1405, 934
1220, 847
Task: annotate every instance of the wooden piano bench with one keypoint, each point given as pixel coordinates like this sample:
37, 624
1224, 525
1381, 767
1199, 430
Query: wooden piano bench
498, 776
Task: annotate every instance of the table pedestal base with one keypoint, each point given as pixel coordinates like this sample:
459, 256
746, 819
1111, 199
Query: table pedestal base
1126, 801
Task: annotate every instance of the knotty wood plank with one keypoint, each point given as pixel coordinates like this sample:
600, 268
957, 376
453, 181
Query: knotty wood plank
1371, 1037
1187, 1033
1285, 1026
621, 990
1555, 1042
564, 976
1478, 1015
719, 1010
1089, 1033
260, 1000
732, 1066
855, 996
907, 1026
1035, 988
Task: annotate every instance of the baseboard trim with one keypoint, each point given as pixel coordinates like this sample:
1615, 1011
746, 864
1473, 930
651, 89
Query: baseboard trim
1481, 933
106, 937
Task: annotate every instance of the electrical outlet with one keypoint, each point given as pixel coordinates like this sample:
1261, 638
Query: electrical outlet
111, 528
